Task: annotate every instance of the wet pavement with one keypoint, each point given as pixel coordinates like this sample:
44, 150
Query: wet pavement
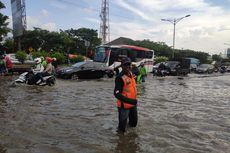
176, 115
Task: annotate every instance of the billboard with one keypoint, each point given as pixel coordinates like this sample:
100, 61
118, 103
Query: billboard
17, 16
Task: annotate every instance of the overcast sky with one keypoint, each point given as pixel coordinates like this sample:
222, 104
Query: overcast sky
207, 29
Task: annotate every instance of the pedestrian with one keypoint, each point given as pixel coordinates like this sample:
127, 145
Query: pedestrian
126, 94
143, 72
9, 64
2, 66
135, 71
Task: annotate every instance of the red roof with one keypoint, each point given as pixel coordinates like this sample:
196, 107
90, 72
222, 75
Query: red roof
135, 47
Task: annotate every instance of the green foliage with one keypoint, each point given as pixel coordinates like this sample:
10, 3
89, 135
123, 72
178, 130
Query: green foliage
79, 58
21, 56
160, 59
39, 54
216, 57
64, 41
9, 44
3, 24
59, 56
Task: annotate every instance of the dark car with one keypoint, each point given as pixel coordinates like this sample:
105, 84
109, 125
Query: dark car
205, 68
173, 67
85, 70
155, 67
180, 67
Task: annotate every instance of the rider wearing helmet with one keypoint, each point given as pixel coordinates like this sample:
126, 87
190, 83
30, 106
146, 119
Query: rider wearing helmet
48, 71
38, 67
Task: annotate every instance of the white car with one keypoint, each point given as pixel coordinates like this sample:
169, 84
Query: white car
14, 60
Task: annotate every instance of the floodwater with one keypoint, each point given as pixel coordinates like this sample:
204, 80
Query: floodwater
189, 115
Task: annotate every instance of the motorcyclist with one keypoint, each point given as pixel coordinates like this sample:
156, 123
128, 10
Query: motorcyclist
38, 67
48, 71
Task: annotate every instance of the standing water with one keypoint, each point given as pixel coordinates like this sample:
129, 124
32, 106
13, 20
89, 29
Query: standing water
189, 115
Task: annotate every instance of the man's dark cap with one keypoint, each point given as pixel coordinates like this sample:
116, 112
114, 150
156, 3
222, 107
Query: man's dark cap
126, 60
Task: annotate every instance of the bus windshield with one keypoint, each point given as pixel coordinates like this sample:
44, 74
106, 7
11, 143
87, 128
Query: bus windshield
101, 54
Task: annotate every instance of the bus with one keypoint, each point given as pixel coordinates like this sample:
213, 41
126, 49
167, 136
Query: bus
111, 55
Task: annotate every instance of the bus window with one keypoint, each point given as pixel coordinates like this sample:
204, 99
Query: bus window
123, 52
101, 54
132, 54
149, 54
140, 55
114, 54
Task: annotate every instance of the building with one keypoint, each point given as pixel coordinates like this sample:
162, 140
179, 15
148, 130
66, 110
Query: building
228, 52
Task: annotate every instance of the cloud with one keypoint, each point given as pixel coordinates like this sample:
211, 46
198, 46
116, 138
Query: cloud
40, 21
44, 13
208, 24
50, 26
133, 9
59, 5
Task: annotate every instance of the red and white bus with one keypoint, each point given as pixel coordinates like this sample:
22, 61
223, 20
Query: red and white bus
110, 55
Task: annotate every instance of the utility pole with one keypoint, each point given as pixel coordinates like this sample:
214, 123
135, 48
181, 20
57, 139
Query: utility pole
104, 24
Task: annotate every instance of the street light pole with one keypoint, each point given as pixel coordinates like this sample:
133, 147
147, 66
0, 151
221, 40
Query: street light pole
174, 22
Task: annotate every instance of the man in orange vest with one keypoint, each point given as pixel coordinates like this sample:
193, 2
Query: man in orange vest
126, 94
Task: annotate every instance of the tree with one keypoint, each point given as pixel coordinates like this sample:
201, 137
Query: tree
216, 57
3, 24
83, 35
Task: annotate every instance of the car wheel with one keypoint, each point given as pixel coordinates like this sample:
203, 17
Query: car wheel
74, 76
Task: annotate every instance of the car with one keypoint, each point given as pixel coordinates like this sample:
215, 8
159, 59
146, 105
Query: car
14, 60
179, 67
85, 70
205, 68
173, 67
155, 67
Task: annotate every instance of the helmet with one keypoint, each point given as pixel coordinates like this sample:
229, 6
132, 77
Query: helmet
37, 60
126, 60
49, 60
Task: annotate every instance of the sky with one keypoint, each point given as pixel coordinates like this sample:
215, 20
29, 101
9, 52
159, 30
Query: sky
206, 30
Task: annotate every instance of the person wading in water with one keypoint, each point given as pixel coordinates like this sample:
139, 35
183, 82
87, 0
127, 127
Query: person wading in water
126, 94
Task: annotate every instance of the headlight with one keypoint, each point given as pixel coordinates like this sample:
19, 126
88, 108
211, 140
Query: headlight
68, 70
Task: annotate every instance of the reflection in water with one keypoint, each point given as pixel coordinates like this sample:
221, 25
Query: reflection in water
2, 149
127, 143
174, 116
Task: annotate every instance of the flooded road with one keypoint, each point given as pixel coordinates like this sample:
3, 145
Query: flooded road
189, 115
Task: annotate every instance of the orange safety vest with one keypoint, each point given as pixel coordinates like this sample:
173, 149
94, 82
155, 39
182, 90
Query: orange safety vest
129, 91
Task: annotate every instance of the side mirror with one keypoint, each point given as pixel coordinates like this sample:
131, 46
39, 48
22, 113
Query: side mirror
82, 68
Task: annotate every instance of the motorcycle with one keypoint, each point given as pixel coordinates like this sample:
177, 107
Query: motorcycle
31, 79
222, 69
160, 72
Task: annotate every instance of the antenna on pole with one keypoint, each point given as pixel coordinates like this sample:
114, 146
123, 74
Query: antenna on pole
104, 24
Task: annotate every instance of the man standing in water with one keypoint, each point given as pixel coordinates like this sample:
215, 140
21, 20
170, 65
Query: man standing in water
126, 94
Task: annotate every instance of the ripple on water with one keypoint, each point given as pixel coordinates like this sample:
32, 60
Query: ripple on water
175, 115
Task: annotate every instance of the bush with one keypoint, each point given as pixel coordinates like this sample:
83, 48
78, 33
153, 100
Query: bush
59, 56
79, 58
21, 56
39, 54
161, 59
